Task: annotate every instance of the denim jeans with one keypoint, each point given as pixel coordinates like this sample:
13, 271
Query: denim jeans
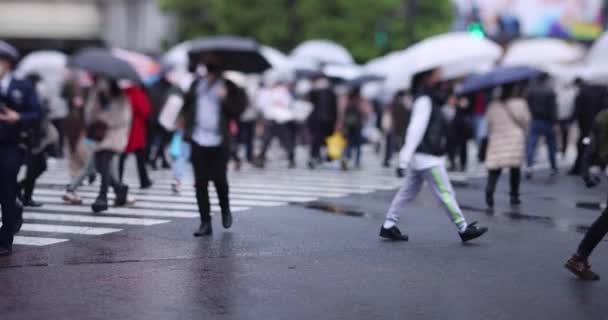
542, 128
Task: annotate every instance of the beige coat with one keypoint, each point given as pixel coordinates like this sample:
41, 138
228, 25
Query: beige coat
118, 118
507, 138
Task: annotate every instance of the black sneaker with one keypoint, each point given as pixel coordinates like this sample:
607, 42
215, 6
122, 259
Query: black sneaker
490, 200
581, 269
121, 196
393, 234
515, 201
472, 232
100, 205
31, 203
227, 220
204, 230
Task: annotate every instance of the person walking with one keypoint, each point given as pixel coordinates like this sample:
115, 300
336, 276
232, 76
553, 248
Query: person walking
41, 141
276, 103
140, 112
596, 147
19, 111
422, 157
460, 132
322, 120
590, 101
508, 121
355, 116
209, 105
566, 97
542, 102
110, 128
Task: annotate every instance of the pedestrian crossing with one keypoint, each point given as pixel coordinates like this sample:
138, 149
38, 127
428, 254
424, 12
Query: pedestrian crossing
58, 222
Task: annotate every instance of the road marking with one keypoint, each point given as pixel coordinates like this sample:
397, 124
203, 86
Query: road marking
89, 219
36, 241
52, 228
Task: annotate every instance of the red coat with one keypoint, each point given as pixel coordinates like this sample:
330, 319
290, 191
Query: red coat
141, 109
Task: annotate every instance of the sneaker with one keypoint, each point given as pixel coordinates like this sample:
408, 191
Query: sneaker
472, 232
100, 205
515, 201
581, 269
72, 198
176, 187
393, 234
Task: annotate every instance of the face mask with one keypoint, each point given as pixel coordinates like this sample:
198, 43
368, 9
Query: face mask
213, 68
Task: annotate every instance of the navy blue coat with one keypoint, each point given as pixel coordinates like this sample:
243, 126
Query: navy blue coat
22, 98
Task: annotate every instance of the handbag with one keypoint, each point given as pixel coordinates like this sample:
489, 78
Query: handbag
97, 131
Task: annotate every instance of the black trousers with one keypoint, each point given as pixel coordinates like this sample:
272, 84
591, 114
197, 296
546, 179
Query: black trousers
11, 158
246, 137
284, 133
564, 128
140, 156
158, 141
103, 165
458, 149
514, 181
580, 151
210, 164
36, 166
59, 125
319, 133
594, 235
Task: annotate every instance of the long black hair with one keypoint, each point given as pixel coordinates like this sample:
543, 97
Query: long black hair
419, 80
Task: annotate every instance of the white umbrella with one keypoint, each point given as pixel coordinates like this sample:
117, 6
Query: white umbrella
323, 51
277, 59
599, 51
51, 66
343, 71
444, 51
384, 65
541, 52
177, 56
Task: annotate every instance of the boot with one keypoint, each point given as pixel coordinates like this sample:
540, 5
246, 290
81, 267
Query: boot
121, 195
100, 204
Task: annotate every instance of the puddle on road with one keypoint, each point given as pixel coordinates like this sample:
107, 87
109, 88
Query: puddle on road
332, 208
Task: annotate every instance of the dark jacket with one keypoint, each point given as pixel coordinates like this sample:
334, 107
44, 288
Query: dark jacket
232, 107
325, 111
435, 138
22, 98
543, 103
590, 101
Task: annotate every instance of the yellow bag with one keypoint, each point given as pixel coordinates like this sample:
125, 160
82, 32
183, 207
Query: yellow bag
335, 146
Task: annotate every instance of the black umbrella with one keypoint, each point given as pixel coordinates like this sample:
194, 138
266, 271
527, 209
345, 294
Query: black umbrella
497, 77
102, 62
234, 53
8, 52
364, 79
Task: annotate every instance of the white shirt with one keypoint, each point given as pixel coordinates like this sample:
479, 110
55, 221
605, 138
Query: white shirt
208, 112
276, 104
419, 121
5, 82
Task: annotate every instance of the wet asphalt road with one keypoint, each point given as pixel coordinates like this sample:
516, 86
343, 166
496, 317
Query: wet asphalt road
294, 262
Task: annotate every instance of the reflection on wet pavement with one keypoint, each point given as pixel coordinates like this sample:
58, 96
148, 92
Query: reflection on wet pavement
333, 209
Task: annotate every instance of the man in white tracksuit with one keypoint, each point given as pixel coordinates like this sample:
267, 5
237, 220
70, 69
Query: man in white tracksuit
422, 159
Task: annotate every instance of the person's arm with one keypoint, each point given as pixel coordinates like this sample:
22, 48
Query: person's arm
235, 101
419, 121
30, 114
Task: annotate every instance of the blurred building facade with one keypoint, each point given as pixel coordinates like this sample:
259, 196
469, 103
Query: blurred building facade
68, 24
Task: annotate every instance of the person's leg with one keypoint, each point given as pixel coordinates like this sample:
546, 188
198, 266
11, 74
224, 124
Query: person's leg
532, 142
38, 167
439, 181
248, 139
564, 128
103, 161
10, 161
493, 176
464, 156
88, 169
58, 124
165, 141
579, 262
388, 151
406, 194
514, 182
551, 145
200, 165
284, 132
121, 165
142, 170
269, 133
358, 143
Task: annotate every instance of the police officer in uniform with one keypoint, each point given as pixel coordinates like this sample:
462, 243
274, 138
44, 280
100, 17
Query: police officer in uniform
19, 111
